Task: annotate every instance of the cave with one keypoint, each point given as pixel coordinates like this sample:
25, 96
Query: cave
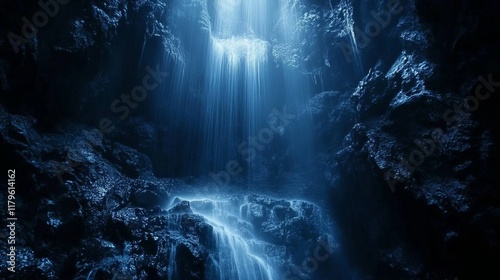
250, 139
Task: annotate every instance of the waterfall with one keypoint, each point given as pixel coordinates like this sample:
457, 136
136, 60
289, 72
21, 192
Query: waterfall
232, 67
236, 90
173, 226
238, 254
237, 258
235, 253
348, 11
243, 82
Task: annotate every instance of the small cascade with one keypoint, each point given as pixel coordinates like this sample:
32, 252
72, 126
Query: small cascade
348, 12
172, 268
173, 227
239, 255
235, 253
237, 258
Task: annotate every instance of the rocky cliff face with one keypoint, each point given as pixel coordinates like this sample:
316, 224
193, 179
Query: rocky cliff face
419, 143
405, 129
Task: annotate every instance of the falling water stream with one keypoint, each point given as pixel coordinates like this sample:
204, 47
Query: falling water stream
241, 87
232, 67
238, 255
238, 96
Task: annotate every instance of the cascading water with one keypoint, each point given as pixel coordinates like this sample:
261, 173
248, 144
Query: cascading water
236, 253
246, 236
242, 65
236, 87
233, 58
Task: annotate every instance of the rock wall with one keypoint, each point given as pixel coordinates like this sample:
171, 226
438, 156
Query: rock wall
413, 181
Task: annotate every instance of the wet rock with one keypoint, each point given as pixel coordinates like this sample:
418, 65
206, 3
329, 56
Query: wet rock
189, 264
290, 226
372, 96
404, 141
129, 161
181, 207
333, 117
149, 196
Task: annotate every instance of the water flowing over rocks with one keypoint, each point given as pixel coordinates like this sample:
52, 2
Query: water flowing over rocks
395, 172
